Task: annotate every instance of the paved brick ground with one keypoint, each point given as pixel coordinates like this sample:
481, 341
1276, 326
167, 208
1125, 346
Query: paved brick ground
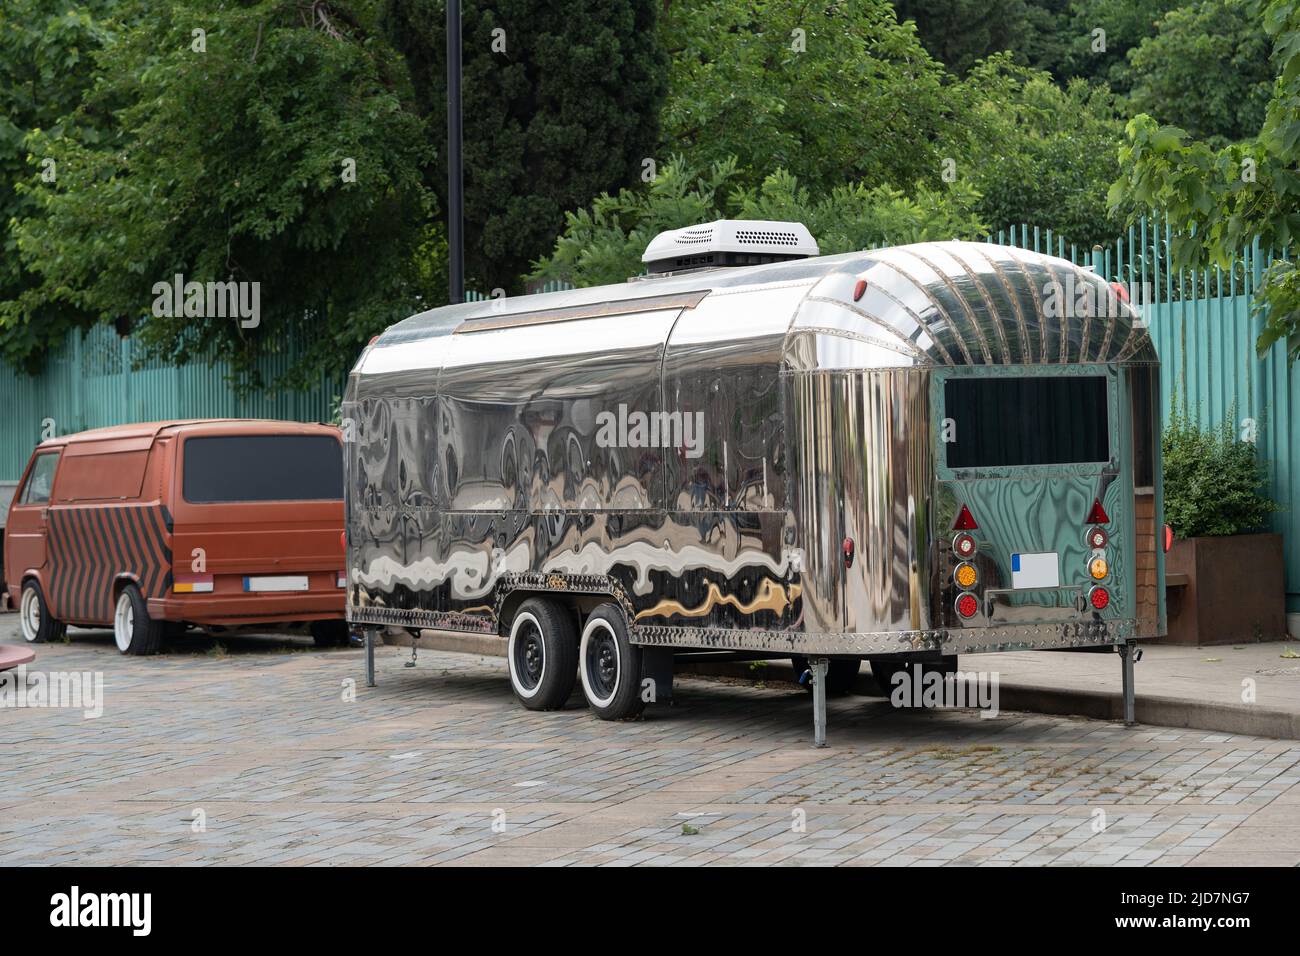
438, 764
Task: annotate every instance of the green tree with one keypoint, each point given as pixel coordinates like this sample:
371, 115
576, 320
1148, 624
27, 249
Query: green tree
46, 65
1220, 200
1206, 71
833, 92
1100, 34
603, 244
1036, 153
264, 142
962, 32
561, 103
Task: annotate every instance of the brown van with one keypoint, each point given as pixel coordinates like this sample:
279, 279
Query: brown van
152, 527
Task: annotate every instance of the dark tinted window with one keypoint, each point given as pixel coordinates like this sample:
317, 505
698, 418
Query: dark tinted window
263, 468
1047, 420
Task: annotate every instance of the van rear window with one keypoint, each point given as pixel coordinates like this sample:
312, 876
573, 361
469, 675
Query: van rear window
1034, 420
262, 468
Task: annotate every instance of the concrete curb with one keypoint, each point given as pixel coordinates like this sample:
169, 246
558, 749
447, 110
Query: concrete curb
1151, 709
1154, 710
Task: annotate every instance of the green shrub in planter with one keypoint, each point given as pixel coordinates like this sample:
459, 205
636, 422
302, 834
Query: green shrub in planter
1214, 481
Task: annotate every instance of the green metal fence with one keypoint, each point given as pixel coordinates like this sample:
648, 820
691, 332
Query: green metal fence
99, 378
1201, 323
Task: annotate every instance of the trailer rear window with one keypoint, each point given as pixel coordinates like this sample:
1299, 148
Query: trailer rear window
1034, 420
262, 468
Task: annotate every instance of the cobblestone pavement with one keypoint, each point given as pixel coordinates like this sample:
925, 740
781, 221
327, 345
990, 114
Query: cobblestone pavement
284, 756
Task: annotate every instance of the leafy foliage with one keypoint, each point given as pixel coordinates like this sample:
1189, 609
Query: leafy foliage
1037, 153
45, 66
603, 244
1207, 71
833, 92
1213, 480
568, 109
960, 33
230, 163
1220, 199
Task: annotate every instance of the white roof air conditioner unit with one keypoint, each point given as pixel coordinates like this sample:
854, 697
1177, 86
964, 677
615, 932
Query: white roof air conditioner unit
728, 243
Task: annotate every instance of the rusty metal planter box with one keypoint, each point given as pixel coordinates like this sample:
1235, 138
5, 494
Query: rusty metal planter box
1235, 591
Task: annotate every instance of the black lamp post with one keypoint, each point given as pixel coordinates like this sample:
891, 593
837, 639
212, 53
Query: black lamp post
455, 172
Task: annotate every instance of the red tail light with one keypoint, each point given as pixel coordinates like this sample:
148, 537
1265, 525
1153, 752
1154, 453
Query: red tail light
963, 545
1099, 598
965, 521
848, 548
859, 289
967, 605
1169, 538
1098, 514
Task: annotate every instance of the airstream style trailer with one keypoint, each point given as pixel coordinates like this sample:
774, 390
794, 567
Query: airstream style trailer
897, 455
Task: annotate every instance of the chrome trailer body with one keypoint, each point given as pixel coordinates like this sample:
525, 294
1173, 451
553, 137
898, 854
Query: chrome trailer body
480, 467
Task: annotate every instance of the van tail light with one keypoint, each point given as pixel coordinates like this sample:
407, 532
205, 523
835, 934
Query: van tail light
1099, 598
859, 288
848, 548
1169, 538
1098, 514
1097, 538
963, 545
965, 521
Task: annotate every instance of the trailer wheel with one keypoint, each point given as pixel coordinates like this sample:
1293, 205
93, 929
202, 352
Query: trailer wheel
840, 675
610, 666
133, 631
542, 654
34, 616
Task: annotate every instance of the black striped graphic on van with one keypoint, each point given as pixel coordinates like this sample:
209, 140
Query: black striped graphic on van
90, 547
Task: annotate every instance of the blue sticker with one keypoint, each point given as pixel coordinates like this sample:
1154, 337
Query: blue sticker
1015, 562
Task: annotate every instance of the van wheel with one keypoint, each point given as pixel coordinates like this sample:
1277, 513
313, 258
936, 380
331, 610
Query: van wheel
542, 654
329, 633
840, 675
133, 632
610, 666
37, 625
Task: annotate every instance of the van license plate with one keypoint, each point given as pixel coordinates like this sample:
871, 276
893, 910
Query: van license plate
1036, 570
281, 582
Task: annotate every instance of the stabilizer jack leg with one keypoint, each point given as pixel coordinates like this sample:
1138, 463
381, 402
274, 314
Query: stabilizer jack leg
1128, 655
818, 666
370, 657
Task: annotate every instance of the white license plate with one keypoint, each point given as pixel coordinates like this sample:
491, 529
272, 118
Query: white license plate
1036, 570
279, 582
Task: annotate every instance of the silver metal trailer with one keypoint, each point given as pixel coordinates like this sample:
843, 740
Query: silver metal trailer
897, 455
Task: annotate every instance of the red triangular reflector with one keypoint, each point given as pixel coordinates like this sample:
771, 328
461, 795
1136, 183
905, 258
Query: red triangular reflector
1098, 514
965, 520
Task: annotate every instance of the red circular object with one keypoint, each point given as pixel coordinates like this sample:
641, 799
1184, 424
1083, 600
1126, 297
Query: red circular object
967, 605
1097, 537
1099, 598
964, 545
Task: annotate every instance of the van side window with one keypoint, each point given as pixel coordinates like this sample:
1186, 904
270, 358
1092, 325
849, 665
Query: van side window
104, 476
41, 480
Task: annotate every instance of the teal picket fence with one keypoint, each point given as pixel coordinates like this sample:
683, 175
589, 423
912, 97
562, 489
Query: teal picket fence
1201, 322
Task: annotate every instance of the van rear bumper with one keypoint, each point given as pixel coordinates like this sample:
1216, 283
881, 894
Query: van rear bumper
261, 608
